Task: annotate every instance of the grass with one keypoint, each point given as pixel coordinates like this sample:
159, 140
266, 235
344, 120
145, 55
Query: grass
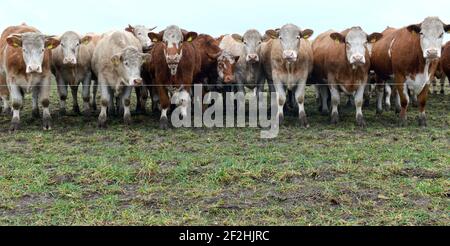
77, 174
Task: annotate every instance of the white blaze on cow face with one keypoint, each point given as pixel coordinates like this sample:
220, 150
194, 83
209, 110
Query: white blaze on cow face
33, 48
355, 45
290, 37
128, 64
431, 33
70, 45
251, 40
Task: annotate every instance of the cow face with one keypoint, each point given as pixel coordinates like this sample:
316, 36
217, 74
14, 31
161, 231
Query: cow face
356, 44
33, 48
213, 51
431, 33
141, 33
290, 37
173, 39
70, 43
128, 64
225, 67
251, 40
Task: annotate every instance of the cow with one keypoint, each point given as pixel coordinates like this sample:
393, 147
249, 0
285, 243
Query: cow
25, 67
342, 61
248, 69
412, 51
380, 61
443, 69
287, 58
141, 32
117, 63
174, 64
71, 63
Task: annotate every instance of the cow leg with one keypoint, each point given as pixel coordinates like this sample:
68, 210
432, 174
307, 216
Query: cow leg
94, 95
105, 103
6, 109
155, 99
422, 100
45, 102
388, 93
35, 103
144, 98
402, 91
17, 101
434, 85
111, 107
126, 101
414, 100
359, 101
380, 95
85, 94
300, 97
367, 95
324, 95
62, 92
443, 84
4, 94
398, 104
165, 105
75, 106
335, 100
138, 91
281, 100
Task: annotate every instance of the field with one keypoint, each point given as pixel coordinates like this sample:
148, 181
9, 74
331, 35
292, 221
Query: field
77, 174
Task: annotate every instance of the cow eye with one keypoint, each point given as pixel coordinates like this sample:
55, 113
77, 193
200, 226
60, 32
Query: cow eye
62, 45
442, 35
126, 64
42, 50
280, 38
421, 33
298, 37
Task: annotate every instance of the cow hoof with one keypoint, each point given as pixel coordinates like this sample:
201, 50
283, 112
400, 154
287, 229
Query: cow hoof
15, 123
164, 123
76, 110
304, 121
35, 113
46, 125
360, 121
102, 122
62, 112
334, 118
280, 119
387, 107
423, 122
403, 122
127, 120
379, 111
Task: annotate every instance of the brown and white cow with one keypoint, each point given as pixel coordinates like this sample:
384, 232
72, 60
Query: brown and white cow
72, 66
342, 61
412, 52
25, 67
117, 63
287, 58
444, 66
174, 64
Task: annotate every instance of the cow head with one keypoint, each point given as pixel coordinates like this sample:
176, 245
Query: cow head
225, 66
251, 40
173, 39
128, 64
33, 47
212, 48
431, 32
356, 44
70, 43
141, 33
290, 37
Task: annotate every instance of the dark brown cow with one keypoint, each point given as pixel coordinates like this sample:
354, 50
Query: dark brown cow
25, 66
208, 49
174, 65
342, 61
413, 50
445, 65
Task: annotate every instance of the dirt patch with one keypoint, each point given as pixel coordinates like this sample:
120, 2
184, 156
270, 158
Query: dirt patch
419, 173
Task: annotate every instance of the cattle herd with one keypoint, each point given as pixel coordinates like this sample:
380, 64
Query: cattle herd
164, 66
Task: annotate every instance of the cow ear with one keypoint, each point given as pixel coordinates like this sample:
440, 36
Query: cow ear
272, 34
51, 42
414, 28
14, 40
307, 33
374, 37
130, 28
447, 28
86, 40
237, 37
116, 59
337, 37
190, 36
155, 37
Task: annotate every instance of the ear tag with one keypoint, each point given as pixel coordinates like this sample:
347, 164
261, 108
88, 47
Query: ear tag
85, 42
15, 45
155, 40
373, 40
50, 46
448, 31
414, 33
306, 36
189, 39
337, 41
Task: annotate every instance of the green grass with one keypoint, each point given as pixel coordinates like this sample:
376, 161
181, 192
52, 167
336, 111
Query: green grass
77, 174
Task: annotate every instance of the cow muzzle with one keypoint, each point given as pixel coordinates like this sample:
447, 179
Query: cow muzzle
34, 69
135, 82
357, 60
173, 61
290, 55
252, 58
70, 61
228, 79
431, 54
